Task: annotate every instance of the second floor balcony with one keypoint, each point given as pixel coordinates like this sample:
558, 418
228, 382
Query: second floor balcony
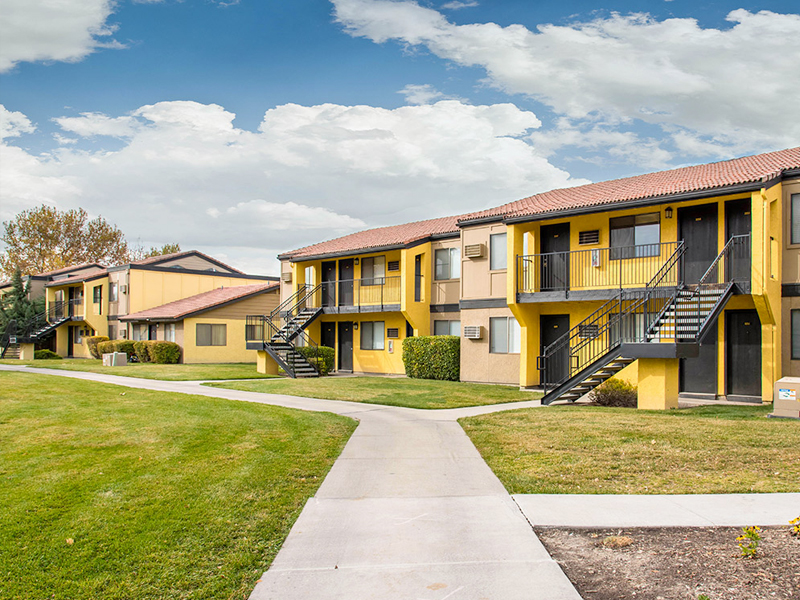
356, 295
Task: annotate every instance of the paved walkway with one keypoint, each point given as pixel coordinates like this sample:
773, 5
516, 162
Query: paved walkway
411, 511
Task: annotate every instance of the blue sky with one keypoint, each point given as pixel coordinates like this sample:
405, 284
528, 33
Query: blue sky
195, 121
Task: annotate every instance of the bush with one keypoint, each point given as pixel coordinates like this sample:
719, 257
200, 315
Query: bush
45, 355
92, 342
322, 357
142, 351
125, 346
164, 353
433, 357
615, 392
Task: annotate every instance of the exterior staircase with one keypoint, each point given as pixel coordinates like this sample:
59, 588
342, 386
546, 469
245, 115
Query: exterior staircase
281, 342
666, 320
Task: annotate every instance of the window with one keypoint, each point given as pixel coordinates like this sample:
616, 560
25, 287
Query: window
497, 252
447, 263
373, 270
796, 218
372, 335
141, 333
169, 332
795, 334
113, 292
309, 276
212, 335
97, 294
505, 335
635, 236
447, 328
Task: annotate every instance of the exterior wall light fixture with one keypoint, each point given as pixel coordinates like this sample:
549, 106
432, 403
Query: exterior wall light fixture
668, 212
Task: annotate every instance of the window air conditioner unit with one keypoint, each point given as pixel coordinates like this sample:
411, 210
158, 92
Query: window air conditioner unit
473, 332
393, 265
473, 250
392, 332
286, 277
123, 288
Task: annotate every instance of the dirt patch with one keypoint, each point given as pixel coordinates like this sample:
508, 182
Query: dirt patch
676, 563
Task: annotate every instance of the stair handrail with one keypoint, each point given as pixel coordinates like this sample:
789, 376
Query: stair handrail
5, 338
284, 334
726, 251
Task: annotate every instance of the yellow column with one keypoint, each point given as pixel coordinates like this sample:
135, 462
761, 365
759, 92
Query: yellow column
658, 383
265, 364
26, 351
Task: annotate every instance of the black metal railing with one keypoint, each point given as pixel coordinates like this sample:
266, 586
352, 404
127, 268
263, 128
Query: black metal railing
624, 318
282, 344
357, 293
595, 268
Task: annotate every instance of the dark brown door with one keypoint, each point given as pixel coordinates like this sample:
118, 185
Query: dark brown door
418, 278
743, 336
697, 227
345, 346
346, 271
699, 375
329, 283
72, 333
328, 335
555, 257
738, 221
556, 367
152, 332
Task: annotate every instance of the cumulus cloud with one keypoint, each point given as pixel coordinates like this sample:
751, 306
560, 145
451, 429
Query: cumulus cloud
733, 88
456, 4
420, 94
57, 30
185, 173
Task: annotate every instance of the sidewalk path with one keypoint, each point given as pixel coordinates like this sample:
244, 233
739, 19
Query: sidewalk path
411, 511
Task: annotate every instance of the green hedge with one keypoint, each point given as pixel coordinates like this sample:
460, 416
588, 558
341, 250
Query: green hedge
616, 392
45, 355
321, 357
92, 342
157, 351
433, 357
125, 346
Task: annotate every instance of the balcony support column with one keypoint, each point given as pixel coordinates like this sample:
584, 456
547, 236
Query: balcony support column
658, 383
26, 351
265, 364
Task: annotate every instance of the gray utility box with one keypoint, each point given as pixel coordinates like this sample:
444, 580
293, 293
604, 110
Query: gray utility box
786, 401
115, 359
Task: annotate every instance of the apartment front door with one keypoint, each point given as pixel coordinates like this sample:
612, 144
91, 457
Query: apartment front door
699, 375
555, 257
329, 283
345, 346
743, 336
697, 227
152, 332
328, 335
551, 328
738, 221
346, 271
72, 333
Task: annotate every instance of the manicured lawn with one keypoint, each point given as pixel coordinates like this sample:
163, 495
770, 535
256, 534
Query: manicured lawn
109, 492
412, 393
151, 371
594, 450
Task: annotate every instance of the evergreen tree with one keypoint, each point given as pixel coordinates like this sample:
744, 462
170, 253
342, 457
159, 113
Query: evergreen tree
16, 305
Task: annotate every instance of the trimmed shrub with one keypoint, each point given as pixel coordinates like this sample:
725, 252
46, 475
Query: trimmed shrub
433, 357
322, 357
164, 353
615, 392
144, 350
92, 342
125, 346
45, 355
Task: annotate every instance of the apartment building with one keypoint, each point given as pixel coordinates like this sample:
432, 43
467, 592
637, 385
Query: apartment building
683, 282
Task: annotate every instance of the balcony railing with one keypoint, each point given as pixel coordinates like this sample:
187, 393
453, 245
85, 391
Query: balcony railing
593, 269
357, 293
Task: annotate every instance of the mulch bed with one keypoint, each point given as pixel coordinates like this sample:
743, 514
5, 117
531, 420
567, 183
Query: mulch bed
676, 563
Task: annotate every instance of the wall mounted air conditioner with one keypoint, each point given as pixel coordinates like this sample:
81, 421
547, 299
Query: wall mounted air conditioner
286, 277
392, 332
473, 250
473, 332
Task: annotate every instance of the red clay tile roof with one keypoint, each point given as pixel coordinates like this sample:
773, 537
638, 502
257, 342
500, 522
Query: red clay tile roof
750, 169
395, 235
199, 303
77, 279
164, 257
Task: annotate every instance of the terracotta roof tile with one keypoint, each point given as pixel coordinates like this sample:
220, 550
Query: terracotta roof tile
395, 235
750, 169
200, 302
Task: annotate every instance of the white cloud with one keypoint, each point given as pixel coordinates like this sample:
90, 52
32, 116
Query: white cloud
186, 174
58, 30
420, 94
456, 5
13, 123
735, 86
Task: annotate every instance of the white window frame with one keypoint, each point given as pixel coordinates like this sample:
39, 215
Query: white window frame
451, 264
453, 327
794, 219
113, 292
169, 332
211, 334
373, 335
498, 261
513, 336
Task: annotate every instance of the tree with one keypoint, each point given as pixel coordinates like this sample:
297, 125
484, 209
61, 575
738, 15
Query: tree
45, 239
16, 305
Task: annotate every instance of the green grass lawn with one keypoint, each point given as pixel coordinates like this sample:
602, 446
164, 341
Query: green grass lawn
594, 450
150, 370
163, 495
412, 393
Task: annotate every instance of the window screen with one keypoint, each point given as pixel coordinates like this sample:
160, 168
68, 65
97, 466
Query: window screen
635, 236
497, 251
447, 263
373, 270
211, 334
505, 335
447, 328
372, 335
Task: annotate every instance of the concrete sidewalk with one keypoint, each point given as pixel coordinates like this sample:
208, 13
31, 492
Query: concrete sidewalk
411, 510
